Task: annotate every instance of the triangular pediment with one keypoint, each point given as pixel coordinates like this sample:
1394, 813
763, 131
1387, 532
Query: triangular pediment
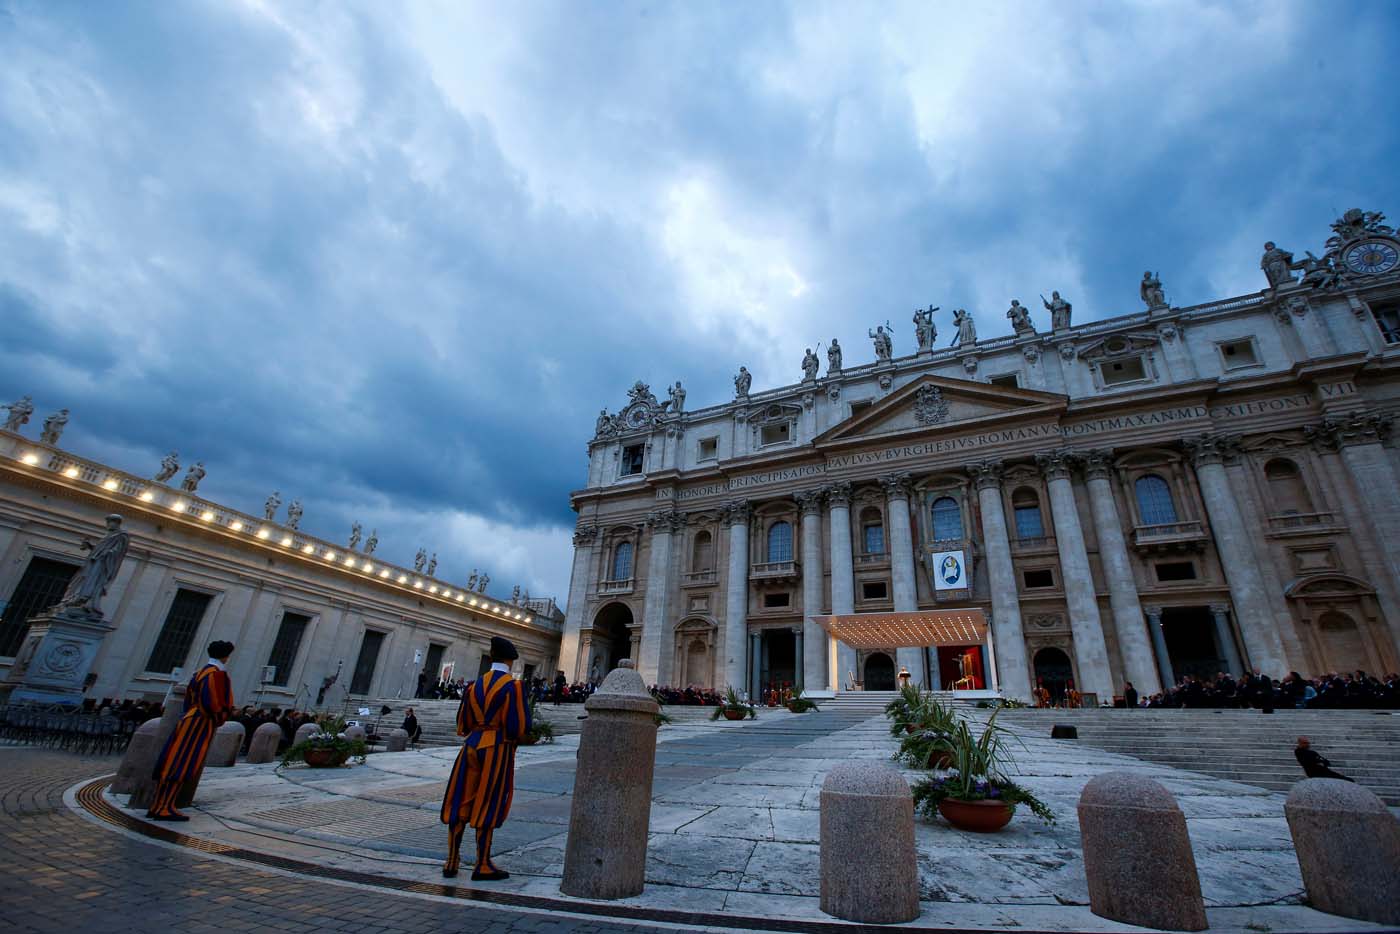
933, 403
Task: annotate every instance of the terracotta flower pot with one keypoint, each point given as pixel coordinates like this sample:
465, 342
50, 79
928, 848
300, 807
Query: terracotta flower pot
976, 816
732, 714
326, 758
940, 759
795, 709
908, 727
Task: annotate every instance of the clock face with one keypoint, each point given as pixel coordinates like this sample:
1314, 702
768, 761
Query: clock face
1372, 257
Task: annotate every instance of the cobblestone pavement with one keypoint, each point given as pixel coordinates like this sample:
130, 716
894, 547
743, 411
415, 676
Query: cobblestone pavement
63, 873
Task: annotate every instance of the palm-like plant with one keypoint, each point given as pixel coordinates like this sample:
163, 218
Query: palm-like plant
732, 701
978, 773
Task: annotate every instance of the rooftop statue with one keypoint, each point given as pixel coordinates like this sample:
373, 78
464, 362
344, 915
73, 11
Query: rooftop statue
884, 347
169, 467
104, 560
1151, 291
53, 427
742, 382
925, 331
515, 596
432, 565
372, 542
677, 394
19, 413
967, 330
1059, 311
810, 366
271, 505
481, 584
355, 532
420, 559
192, 477
1020, 317
833, 357
294, 514
1277, 264
471, 581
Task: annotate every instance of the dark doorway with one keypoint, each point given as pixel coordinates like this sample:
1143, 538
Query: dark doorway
612, 639
879, 672
1191, 645
431, 668
1054, 673
779, 659
366, 662
960, 668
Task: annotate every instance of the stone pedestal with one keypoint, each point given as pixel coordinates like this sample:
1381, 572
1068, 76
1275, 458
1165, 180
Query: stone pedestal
263, 746
223, 750
606, 853
55, 658
869, 868
305, 732
353, 733
397, 741
1348, 847
1137, 854
143, 785
139, 758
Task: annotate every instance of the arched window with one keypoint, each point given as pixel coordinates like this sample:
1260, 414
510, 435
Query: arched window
947, 518
780, 542
702, 552
1154, 499
1025, 504
872, 531
622, 562
1288, 494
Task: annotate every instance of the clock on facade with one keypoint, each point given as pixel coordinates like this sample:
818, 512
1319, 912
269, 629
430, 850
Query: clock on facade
1371, 257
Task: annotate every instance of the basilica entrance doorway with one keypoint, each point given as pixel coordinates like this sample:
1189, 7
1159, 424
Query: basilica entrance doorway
612, 639
431, 666
879, 672
1191, 644
779, 659
1053, 672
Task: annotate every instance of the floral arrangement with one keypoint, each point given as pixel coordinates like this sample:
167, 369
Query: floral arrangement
732, 701
799, 704
541, 730
932, 789
331, 738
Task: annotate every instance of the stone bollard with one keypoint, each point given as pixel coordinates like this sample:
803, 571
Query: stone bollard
1137, 854
353, 733
1348, 847
263, 746
305, 732
223, 750
144, 783
606, 853
139, 759
869, 869
397, 741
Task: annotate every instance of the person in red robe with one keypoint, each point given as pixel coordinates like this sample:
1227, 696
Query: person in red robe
208, 703
494, 716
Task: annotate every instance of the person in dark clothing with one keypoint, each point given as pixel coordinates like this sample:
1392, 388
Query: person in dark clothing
1130, 695
560, 682
411, 727
1313, 763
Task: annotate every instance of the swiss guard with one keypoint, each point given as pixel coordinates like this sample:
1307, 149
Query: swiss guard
494, 716
208, 703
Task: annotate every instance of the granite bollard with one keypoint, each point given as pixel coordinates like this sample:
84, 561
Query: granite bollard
223, 750
397, 741
1348, 847
353, 733
263, 746
144, 784
305, 732
869, 868
1137, 854
139, 758
606, 854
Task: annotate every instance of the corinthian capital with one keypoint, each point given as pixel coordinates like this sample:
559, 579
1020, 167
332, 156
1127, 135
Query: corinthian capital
666, 520
1098, 464
585, 535
1055, 465
838, 494
1346, 430
985, 475
736, 512
1212, 449
810, 501
897, 485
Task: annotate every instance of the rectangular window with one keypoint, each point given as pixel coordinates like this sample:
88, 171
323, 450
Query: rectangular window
632, 459
285, 646
1041, 577
41, 586
873, 590
860, 405
172, 646
775, 434
1388, 320
1122, 371
1009, 380
364, 664
1176, 571
708, 449
1028, 522
1237, 354
874, 536
772, 600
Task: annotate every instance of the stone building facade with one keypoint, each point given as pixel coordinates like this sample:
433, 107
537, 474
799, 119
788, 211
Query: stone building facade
1179, 490
300, 610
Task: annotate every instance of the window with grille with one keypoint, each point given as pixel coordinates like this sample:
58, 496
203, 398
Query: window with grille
632, 458
172, 646
947, 518
1025, 506
365, 663
1154, 499
872, 528
622, 562
41, 586
780, 542
1388, 320
703, 553
285, 646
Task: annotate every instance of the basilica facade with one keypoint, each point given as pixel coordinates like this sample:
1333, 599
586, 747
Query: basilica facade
1181, 490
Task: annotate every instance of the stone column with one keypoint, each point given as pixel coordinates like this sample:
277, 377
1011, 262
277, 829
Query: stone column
1358, 438
585, 537
1084, 620
658, 592
1006, 606
736, 602
813, 670
1159, 643
799, 673
843, 578
755, 666
935, 683
904, 587
1226, 637
1134, 644
1232, 543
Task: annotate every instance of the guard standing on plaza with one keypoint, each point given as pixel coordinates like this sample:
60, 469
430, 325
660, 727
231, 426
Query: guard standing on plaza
494, 716
208, 703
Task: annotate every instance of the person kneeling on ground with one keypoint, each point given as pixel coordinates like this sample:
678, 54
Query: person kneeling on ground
1313, 763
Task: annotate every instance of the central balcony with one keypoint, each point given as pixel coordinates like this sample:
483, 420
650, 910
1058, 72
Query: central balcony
1170, 536
774, 570
699, 578
878, 560
1302, 522
609, 588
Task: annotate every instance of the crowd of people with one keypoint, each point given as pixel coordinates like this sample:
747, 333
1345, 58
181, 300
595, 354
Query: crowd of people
1335, 690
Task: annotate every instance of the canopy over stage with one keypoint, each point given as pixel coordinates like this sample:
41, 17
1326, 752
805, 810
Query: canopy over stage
868, 631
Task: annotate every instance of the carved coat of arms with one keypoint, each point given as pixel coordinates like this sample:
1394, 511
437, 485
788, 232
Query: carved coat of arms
930, 408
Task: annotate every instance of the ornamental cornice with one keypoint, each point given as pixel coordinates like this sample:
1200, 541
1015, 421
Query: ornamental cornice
736, 512
1098, 464
838, 494
986, 475
1055, 465
897, 485
810, 501
1346, 430
1212, 449
585, 535
666, 521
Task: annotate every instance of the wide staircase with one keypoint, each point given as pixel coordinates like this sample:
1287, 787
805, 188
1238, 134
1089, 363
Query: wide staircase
1239, 745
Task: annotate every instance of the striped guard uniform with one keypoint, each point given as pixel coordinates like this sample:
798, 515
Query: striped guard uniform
493, 717
208, 703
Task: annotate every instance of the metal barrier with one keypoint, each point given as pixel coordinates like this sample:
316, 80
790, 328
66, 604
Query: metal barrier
57, 727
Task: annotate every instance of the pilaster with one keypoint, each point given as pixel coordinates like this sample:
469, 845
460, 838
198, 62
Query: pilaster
1006, 606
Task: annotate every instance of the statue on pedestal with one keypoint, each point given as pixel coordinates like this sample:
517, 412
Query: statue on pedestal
742, 382
1020, 317
169, 467
1059, 311
372, 542
481, 584
1277, 264
294, 514
967, 331
471, 581
53, 427
884, 347
355, 532
420, 559
19, 413
677, 394
833, 357
432, 565
1151, 291
810, 366
271, 506
192, 477
925, 331
90, 583
515, 596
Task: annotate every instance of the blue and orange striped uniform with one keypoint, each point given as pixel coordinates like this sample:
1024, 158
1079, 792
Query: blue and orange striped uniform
208, 703
493, 717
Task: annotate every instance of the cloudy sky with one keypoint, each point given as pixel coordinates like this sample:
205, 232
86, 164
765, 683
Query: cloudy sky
393, 259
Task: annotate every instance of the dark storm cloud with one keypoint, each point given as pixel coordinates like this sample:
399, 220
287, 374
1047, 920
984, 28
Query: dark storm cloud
393, 261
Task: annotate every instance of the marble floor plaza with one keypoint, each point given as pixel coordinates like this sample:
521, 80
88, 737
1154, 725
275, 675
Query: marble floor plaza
734, 830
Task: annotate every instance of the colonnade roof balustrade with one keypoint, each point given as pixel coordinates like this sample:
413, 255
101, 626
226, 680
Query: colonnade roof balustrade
868, 631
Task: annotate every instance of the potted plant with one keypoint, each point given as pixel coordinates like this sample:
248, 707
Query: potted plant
799, 704
327, 749
906, 709
930, 744
541, 730
976, 795
734, 707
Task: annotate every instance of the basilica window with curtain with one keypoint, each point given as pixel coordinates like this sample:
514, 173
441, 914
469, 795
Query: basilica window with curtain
1154, 499
702, 556
780, 542
947, 518
872, 531
1025, 506
622, 562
